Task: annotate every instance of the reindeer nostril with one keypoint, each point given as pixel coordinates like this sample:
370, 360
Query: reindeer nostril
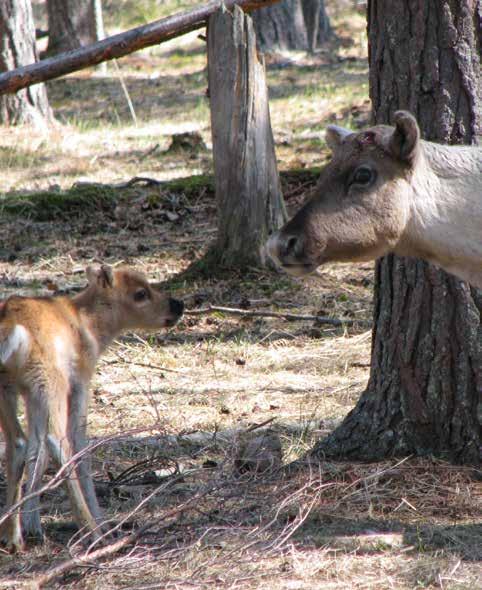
176, 306
291, 244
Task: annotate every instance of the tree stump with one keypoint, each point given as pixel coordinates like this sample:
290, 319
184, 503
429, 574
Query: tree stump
248, 191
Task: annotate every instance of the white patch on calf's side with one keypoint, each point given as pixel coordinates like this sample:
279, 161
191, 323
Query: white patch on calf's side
65, 354
91, 342
16, 346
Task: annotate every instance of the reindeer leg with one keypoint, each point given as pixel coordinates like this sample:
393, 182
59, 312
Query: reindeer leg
36, 459
16, 443
78, 427
68, 425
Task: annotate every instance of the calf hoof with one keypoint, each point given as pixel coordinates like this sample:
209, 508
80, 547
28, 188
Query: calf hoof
32, 527
11, 540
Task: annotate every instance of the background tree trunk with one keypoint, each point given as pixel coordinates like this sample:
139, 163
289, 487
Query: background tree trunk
281, 26
98, 32
317, 23
17, 48
426, 369
248, 190
72, 24
97, 20
324, 27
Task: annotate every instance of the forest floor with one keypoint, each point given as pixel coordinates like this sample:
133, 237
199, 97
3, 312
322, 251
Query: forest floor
170, 411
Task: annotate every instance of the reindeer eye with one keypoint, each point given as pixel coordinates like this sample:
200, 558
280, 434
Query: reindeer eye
141, 295
363, 176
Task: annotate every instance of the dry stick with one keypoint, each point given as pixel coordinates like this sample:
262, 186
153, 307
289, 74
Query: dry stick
87, 557
56, 480
118, 45
121, 359
295, 317
126, 93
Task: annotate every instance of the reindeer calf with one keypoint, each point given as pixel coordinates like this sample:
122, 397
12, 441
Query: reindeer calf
49, 347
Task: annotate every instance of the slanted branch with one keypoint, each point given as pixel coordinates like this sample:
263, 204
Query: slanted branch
118, 45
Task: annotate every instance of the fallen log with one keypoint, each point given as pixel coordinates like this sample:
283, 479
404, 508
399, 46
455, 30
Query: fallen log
118, 45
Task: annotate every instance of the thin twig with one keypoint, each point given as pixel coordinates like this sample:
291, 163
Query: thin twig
126, 93
89, 557
121, 359
292, 317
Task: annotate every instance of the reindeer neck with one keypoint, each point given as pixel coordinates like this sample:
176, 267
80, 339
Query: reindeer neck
98, 319
445, 225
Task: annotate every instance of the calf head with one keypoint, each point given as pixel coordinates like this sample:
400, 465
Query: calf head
131, 300
360, 206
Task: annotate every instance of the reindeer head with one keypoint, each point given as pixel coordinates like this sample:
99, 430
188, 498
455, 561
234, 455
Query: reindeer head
360, 206
131, 301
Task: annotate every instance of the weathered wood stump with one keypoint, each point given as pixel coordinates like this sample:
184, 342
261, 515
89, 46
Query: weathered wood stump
248, 191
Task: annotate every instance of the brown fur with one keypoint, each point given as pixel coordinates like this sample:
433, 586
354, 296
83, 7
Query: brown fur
49, 347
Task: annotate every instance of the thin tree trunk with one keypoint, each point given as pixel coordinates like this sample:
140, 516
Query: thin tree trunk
98, 32
426, 370
318, 29
17, 48
281, 27
311, 9
325, 31
97, 20
248, 190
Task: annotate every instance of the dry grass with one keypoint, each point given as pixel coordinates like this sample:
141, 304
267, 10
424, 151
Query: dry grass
171, 405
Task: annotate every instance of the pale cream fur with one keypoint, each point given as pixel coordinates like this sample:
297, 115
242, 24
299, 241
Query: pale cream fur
423, 200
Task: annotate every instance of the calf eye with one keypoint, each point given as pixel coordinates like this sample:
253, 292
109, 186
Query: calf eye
363, 176
141, 295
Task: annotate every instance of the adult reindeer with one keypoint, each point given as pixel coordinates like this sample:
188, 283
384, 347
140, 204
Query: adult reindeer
385, 190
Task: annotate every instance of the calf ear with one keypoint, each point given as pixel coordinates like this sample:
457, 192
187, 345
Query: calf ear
404, 142
335, 136
102, 276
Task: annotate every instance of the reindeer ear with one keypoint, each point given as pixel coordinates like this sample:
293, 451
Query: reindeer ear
404, 142
335, 136
102, 276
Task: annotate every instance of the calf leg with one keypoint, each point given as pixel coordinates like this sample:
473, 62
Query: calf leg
36, 459
16, 443
68, 426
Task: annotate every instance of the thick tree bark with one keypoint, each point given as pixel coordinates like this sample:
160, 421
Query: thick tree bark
426, 371
71, 25
248, 191
17, 48
281, 27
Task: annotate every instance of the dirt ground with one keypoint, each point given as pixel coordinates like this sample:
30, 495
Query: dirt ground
170, 411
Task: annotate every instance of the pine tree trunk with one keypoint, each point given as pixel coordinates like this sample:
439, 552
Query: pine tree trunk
248, 190
324, 27
17, 48
97, 20
426, 371
311, 10
71, 24
280, 26
317, 23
